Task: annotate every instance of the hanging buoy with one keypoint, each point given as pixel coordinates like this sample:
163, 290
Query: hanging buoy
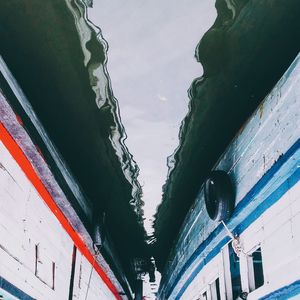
219, 196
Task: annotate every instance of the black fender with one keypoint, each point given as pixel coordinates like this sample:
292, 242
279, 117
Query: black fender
219, 195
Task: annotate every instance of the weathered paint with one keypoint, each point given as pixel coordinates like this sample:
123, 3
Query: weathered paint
239, 72
11, 292
31, 191
257, 166
67, 95
291, 290
280, 248
83, 202
39, 227
14, 126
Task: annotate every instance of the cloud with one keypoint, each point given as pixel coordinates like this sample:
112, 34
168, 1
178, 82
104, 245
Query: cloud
162, 98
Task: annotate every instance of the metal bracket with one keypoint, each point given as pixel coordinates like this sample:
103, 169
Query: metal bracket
235, 241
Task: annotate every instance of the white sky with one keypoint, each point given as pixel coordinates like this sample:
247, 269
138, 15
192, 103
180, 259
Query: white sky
151, 65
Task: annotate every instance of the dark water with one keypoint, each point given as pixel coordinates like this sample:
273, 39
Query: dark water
59, 60
151, 66
244, 54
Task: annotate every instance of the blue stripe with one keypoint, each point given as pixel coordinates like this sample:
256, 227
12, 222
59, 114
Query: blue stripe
273, 198
249, 209
285, 292
13, 290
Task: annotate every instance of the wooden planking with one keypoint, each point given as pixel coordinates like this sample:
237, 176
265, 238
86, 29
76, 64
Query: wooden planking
278, 233
269, 133
203, 280
36, 169
27, 221
279, 242
70, 180
84, 285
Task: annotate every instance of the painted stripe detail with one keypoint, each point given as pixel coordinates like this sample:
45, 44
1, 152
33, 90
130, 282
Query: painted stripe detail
285, 292
29, 171
248, 221
241, 218
13, 290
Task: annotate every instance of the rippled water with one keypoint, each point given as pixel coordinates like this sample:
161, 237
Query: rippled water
94, 47
151, 64
87, 85
58, 57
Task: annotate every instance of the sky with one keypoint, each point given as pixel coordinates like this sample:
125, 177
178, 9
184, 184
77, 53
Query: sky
151, 64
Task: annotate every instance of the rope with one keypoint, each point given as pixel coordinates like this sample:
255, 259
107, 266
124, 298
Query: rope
235, 242
97, 252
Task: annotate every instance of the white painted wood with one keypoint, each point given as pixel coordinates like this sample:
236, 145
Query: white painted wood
268, 134
279, 234
226, 284
87, 283
244, 273
205, 281
213, 290
250, 274
26, 222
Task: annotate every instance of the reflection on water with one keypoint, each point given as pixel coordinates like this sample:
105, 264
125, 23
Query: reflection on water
242, 58
59, 58
150, 57
151, 63
94, 47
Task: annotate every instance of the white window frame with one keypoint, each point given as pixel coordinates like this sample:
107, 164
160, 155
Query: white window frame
226, 272
213, 289
250, 268
207, 294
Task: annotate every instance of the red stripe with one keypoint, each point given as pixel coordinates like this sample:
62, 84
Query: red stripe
27, 168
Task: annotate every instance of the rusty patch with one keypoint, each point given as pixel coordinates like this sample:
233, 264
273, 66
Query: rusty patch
261, 110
